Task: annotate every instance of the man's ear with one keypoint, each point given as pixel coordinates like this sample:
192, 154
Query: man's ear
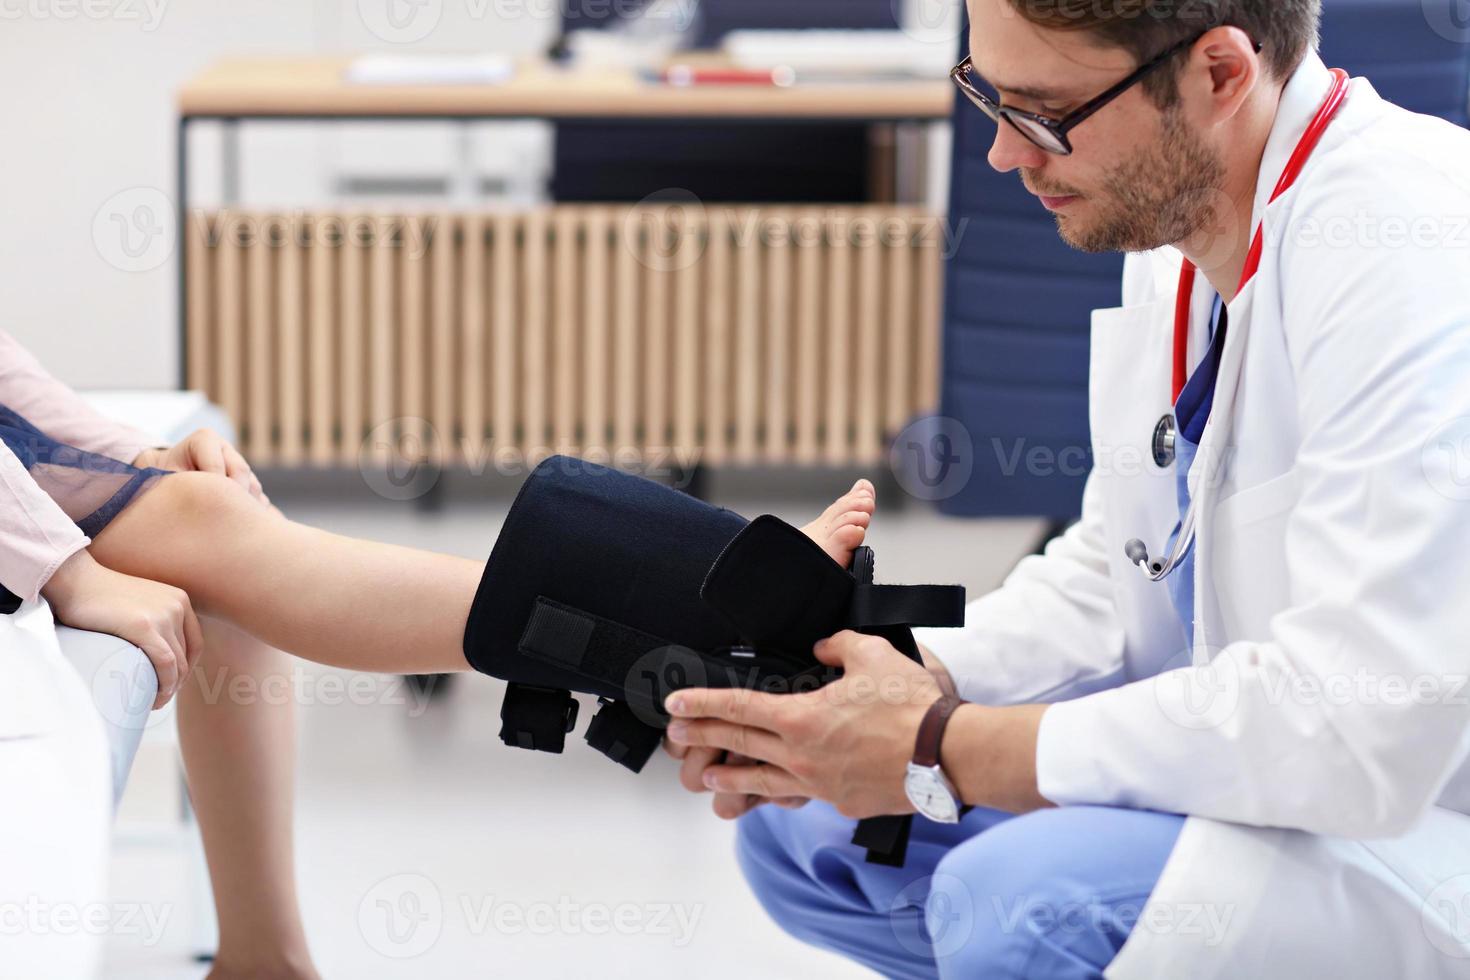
1231, 71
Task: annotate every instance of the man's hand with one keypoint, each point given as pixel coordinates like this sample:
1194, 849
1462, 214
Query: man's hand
205, 451
155, 617
727, 806
847, 743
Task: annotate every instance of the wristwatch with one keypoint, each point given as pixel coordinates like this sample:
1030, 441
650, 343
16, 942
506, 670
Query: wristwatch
928, 788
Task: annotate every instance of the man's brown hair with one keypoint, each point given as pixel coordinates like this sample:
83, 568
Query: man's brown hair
1285, 29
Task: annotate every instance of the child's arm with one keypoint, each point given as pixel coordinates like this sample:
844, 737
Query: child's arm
36, 536
61, 413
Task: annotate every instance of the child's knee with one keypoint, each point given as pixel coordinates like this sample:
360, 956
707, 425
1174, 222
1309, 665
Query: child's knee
204, 498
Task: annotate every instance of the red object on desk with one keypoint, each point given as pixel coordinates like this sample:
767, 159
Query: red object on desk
686, 75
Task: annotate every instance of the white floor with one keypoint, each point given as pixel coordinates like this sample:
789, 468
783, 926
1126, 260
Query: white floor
427, 849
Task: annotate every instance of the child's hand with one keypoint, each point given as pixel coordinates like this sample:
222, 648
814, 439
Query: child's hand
205, 451
157, 618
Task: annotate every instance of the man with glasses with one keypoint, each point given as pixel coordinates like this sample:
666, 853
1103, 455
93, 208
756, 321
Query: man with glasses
1242, 754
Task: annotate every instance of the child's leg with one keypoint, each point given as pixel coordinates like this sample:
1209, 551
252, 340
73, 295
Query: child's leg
239, 753
325, 597
322, 596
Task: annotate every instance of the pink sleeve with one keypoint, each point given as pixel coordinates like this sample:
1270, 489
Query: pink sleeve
52, 407
36, 536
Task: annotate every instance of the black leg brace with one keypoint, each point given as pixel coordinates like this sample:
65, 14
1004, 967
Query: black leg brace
608, 584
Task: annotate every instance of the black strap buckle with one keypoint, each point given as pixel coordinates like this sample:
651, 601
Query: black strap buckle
537, 718
620, 734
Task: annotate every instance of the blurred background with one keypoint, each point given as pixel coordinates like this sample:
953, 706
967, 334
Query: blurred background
400, 250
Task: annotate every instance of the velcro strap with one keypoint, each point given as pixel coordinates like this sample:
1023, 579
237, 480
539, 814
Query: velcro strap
537, 717
907, 605
641, 669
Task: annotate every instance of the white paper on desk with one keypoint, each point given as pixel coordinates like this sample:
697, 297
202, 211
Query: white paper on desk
429, 69
830, 54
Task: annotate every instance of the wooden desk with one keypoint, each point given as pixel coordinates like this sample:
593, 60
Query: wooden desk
316, 87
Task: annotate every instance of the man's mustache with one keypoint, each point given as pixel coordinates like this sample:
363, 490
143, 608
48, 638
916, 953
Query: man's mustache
1034, 187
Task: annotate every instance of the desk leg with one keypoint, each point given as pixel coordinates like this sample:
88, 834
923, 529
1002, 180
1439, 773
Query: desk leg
229, 193
181, 217
883, 185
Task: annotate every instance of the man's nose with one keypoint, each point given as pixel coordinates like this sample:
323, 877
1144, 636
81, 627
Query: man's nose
1011, 150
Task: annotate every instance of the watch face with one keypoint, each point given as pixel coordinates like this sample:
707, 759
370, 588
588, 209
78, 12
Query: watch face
929, 795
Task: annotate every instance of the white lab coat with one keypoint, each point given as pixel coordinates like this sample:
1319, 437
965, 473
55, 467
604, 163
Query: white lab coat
1327, 833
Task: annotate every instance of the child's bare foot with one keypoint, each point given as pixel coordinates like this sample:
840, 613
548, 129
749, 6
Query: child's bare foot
842, 527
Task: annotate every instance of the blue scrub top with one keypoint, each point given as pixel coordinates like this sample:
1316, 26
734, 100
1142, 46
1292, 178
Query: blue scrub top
1191, 412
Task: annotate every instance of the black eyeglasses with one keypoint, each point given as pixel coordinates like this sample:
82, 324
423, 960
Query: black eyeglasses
1048, 133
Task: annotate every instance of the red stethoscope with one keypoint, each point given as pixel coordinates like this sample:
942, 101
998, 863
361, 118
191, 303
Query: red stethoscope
1166, 431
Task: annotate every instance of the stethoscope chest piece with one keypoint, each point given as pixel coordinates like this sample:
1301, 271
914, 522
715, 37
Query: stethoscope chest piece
1163, 443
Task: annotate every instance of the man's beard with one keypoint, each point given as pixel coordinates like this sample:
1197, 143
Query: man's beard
1155, 198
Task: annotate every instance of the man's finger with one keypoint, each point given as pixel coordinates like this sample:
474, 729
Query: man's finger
691, 773
768, 782
757, 743
837, 649
736, 705
674, 749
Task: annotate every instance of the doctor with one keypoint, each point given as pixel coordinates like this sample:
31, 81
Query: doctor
1220, 728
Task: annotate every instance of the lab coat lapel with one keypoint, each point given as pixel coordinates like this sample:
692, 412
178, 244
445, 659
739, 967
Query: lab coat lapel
1300, 100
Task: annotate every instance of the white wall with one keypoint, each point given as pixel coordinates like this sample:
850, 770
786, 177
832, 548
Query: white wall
88, 128
87, 119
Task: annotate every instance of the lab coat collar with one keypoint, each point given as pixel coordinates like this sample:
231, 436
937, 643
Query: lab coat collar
1300, 100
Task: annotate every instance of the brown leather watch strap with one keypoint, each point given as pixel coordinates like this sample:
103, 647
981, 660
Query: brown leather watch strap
931, 730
